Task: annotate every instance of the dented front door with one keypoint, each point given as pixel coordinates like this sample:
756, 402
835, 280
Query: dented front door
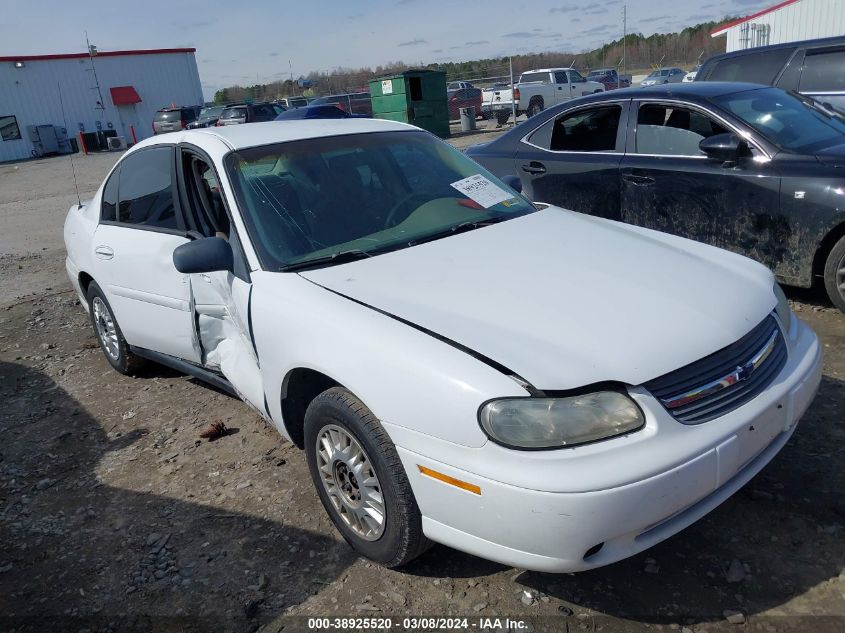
221, 309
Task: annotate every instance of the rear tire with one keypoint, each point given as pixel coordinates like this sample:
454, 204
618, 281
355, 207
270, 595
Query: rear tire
534, 108
502, 116
108, 333
360, 480
834, 274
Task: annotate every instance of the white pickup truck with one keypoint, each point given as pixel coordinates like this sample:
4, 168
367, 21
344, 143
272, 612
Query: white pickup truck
541, 89
497, 101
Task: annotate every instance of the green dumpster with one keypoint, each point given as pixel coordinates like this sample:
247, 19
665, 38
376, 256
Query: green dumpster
415, 96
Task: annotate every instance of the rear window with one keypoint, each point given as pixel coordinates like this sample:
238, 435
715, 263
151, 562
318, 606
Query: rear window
823, 72
233, 113
535, 78
168, 115
760, 68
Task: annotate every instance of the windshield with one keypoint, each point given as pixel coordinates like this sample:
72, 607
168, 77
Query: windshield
789, 120
233, 113
211, 113
366, 193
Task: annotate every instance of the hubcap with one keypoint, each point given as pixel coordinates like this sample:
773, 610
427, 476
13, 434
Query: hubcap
350, 480
840, 277
105, 328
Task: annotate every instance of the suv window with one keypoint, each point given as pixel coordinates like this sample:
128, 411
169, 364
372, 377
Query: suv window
591, 130
108, 209
534, 77
671, 131
233, 113
146, 189
761, 68
823, 72
167, 115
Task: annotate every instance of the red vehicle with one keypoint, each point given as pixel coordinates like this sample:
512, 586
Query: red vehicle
609, 78
464, 98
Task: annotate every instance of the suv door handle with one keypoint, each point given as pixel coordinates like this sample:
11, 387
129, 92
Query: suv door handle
534, 167
104, 252
638, 180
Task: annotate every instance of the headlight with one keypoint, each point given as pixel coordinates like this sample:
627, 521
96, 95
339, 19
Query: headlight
784, 313
559, 422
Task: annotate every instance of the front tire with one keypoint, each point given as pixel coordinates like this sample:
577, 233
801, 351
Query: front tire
834, 274
360, 480
108, 333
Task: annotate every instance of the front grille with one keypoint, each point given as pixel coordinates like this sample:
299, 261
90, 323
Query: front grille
725, 380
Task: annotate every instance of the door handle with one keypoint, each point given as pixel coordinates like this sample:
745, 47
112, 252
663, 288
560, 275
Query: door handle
534, 167
104, 252
638, 180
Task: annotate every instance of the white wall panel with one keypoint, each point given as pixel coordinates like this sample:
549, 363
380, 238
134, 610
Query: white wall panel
31, 93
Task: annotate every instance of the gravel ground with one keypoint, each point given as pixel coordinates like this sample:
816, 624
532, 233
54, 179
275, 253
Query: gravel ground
116, 516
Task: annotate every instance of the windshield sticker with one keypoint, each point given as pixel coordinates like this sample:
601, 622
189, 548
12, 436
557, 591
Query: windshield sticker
482, 191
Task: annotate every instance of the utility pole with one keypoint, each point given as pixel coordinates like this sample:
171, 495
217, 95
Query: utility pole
92, 50
513, 101
624, 36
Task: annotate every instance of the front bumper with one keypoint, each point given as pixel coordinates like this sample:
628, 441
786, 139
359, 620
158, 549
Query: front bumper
530, 525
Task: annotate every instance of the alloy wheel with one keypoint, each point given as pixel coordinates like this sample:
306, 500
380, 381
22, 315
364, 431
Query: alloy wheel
349, 478
105, 328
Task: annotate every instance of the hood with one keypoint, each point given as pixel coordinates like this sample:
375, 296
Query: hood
566, 300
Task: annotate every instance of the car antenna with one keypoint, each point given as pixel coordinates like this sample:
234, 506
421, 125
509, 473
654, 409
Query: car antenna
72, 166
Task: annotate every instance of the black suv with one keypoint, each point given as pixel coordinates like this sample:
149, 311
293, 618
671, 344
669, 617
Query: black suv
812, 67
174, 119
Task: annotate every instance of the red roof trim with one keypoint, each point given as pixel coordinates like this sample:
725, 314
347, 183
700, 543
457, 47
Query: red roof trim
124, 95
725, 27
150, 51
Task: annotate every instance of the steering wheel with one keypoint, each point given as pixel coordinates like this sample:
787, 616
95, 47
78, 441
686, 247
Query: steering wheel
390, 221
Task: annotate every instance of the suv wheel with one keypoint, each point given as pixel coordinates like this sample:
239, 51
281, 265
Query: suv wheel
360, 479
834, 274
108, 332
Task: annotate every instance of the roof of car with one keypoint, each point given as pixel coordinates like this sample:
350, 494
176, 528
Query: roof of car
693, 89
219, 140
548, 70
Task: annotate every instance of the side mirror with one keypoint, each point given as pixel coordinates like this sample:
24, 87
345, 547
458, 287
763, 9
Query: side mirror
723, 147
513, 182
206, 255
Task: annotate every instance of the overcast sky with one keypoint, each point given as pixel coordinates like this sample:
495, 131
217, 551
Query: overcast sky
249, 41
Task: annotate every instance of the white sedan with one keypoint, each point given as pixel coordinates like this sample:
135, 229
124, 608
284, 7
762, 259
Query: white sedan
535, 386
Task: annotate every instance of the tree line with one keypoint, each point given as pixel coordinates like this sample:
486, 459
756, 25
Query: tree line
685, 49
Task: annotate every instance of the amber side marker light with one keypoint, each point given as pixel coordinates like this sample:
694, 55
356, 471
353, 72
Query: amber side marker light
446, 479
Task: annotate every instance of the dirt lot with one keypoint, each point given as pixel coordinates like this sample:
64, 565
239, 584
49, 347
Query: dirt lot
115, 516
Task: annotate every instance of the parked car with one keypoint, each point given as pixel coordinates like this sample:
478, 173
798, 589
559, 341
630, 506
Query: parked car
249, 113
440, 390
690, 76
317, 112
748, 168
207, 117
541, 89
811, 67
663, 76
464, 98
173, 119
454, 86
609, 78
354, 103
290, 103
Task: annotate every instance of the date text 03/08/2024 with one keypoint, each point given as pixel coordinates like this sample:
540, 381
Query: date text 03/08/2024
416, 623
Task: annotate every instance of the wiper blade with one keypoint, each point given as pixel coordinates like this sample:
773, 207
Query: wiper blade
327, 260
463, 227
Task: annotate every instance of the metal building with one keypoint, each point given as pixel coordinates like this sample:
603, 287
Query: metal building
787, 21
114, 92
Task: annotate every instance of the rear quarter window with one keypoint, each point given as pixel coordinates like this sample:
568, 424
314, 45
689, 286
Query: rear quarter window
823, 72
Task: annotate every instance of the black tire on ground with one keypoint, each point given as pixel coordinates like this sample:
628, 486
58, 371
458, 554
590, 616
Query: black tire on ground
402, 538
535, 107
834, 274
118, 355
502, 116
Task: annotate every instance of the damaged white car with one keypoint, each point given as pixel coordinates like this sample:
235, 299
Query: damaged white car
532, 385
